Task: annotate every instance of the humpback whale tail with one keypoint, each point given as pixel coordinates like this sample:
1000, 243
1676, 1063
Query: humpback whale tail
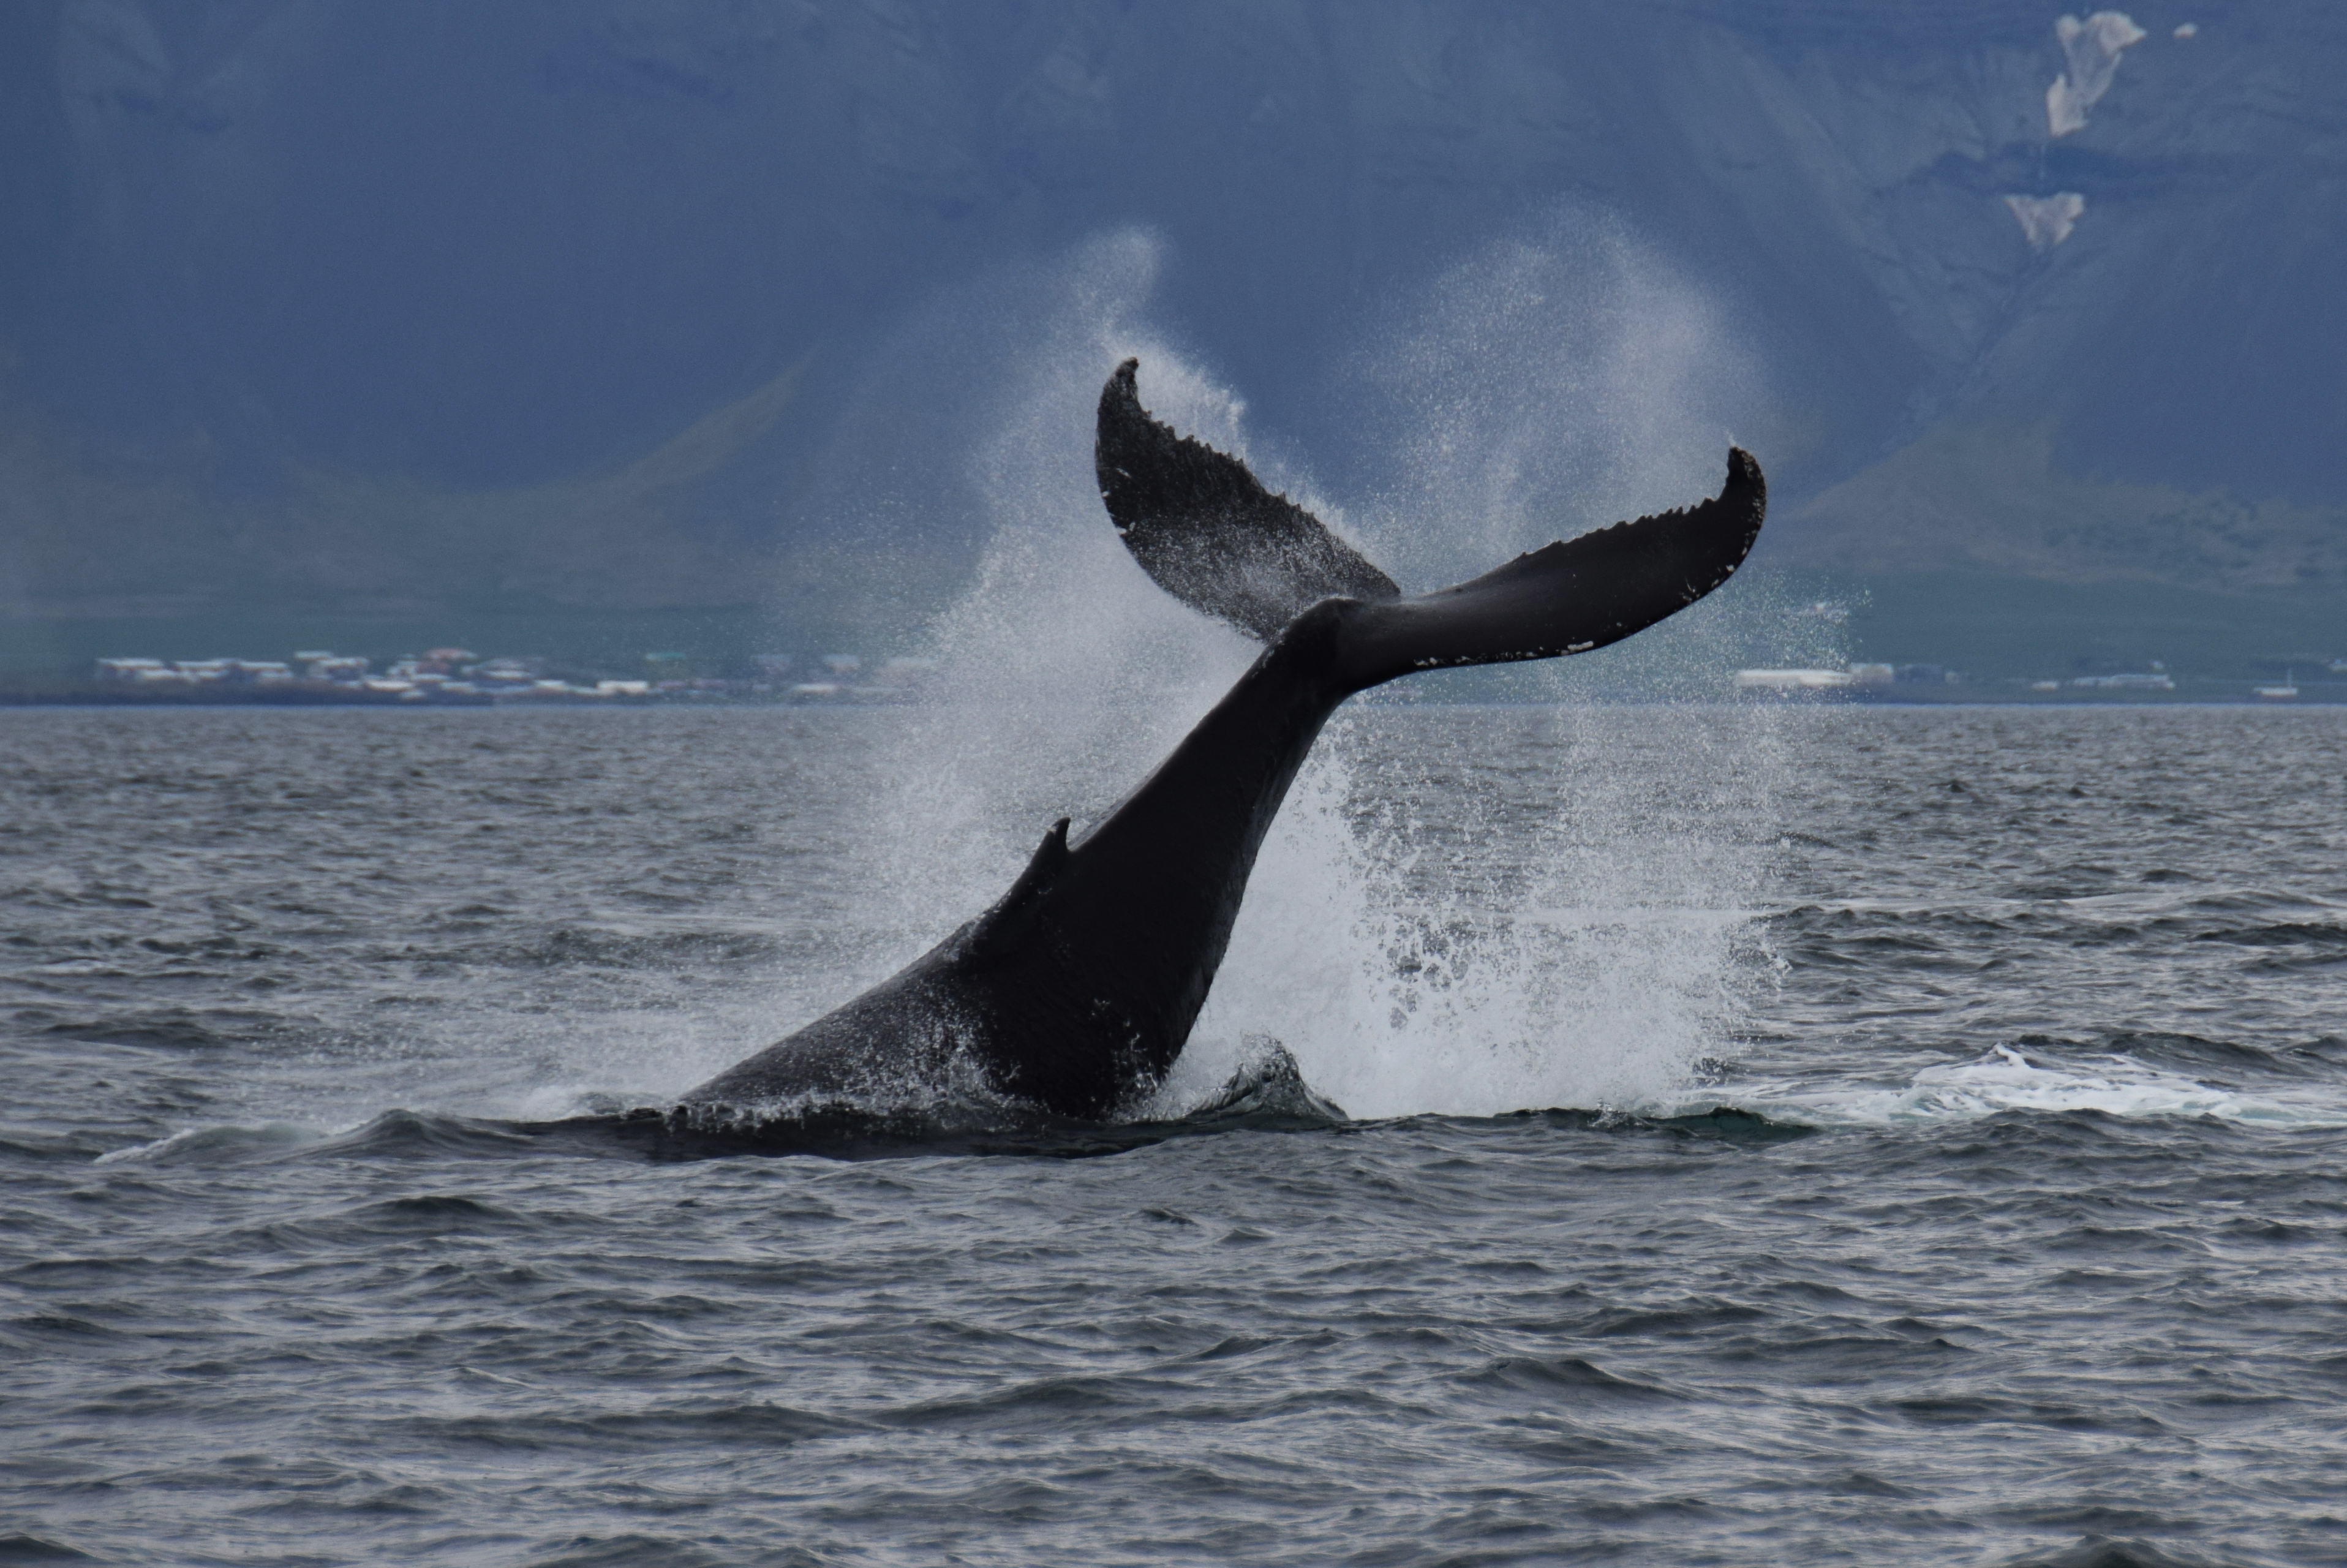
1208, 533
1079, 987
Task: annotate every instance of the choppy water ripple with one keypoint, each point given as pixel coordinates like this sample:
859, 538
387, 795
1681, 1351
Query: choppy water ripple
1990, 1209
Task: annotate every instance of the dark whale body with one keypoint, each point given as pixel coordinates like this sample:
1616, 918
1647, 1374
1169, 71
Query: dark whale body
1077, 990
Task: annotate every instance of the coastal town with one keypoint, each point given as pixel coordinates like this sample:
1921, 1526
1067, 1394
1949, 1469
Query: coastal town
1937, 683
460, 677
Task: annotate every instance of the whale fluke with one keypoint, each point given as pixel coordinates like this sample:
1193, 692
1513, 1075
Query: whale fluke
1566, 598
1208, 533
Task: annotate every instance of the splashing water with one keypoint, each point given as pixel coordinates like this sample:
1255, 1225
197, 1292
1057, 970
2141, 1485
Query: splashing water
1583, 942
1066, 674
1546, 386
1576, 935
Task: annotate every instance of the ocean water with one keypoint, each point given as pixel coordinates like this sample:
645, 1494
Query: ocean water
1735, 1135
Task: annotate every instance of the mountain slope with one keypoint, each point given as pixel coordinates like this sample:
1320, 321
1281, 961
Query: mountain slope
482, 264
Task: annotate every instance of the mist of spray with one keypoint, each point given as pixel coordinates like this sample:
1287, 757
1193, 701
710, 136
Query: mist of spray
1064, 673
1458, 911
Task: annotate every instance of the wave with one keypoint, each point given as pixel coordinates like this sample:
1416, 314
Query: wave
207, 1144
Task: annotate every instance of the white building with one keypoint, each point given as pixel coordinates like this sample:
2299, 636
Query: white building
1792, 680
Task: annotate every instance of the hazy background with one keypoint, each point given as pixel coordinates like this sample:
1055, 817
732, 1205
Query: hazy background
590, 327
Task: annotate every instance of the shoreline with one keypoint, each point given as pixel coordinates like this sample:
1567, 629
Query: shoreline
581, 702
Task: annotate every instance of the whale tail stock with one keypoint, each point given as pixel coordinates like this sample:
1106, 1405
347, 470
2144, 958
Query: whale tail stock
1207, 532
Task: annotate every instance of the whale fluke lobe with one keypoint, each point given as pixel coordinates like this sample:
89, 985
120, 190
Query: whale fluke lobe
1077, 988
1566, 598
1208, 533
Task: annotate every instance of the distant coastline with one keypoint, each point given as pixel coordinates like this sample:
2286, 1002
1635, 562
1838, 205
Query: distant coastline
335, 694
102, 694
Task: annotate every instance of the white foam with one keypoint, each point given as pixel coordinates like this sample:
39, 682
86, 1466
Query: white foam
2005, 1079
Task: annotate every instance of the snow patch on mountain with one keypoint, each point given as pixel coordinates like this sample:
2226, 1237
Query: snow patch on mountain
2092, 49
2047, 220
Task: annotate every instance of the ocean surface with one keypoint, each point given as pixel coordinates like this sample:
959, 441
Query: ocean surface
1767, 1135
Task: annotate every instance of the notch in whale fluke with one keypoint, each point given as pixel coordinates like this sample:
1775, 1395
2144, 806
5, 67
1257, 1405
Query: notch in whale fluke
1208, 533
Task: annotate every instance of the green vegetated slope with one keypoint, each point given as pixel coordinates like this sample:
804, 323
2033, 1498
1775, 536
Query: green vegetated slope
1999, 626
164, 559
1972, 548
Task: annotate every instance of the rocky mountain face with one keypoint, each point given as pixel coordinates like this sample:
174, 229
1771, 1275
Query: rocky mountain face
571, 302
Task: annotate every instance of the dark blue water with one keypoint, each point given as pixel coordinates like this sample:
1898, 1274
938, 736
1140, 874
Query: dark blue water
1770, 1137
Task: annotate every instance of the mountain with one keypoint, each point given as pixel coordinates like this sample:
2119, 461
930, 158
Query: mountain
592, 306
